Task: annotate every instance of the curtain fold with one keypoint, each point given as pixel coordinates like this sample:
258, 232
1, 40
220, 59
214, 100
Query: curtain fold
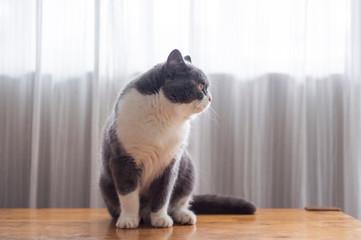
285, 125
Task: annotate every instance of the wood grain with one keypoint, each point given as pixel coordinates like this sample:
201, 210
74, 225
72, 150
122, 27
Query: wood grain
96, 224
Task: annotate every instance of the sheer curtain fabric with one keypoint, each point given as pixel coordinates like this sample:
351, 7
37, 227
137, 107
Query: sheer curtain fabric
285, 129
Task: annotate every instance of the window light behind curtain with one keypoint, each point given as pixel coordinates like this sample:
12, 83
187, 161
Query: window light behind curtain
285, 81
244, 38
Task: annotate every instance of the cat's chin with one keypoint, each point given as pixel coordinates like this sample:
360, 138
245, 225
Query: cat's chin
200, 107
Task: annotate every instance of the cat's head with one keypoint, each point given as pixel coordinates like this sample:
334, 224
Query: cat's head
186, 84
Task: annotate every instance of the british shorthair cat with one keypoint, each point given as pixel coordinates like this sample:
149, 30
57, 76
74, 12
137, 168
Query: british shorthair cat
146, 172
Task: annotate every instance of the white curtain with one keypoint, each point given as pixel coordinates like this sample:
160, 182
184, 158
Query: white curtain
285, 129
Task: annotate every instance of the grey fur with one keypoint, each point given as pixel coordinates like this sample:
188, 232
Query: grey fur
151, 81
188, 58
119, 171
186, 179
163, 185
178, 80
120, 174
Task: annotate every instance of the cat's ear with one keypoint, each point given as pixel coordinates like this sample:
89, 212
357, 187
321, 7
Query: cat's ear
175, 62
188, 58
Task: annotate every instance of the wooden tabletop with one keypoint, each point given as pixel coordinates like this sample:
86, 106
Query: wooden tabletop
96, 224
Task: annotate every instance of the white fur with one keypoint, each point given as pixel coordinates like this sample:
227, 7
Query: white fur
161, 218
184, 216
152, 130
181, 214
129, 216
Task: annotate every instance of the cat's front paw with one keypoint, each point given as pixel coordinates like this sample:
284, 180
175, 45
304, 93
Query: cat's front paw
160, 220
126, 221
184, 217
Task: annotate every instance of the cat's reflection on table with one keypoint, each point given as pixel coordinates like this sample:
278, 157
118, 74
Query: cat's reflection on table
146, 231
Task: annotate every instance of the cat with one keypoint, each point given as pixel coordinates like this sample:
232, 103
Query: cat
146, 172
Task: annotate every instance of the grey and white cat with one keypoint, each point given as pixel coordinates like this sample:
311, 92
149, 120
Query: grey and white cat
146, 171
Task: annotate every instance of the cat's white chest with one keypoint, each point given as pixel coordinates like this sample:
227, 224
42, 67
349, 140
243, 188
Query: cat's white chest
148, 129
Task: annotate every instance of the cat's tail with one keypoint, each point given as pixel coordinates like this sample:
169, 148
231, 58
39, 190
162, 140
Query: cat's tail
213, 204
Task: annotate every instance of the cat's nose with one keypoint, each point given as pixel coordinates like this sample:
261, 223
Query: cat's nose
209, 99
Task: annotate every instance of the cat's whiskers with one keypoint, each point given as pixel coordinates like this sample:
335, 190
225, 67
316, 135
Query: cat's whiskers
142, 150
208, 114
215, 113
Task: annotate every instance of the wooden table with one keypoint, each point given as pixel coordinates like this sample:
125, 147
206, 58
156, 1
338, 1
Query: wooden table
96, 224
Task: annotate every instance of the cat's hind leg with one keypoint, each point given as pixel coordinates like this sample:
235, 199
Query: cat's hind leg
182, 193
110, 196
181, 213
161, 189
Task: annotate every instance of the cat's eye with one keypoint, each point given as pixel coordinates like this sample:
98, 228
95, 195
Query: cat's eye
201, 86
